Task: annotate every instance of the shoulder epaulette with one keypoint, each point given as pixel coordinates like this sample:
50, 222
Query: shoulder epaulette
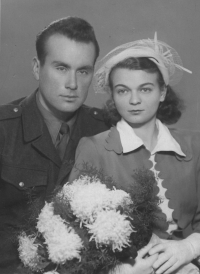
96, 113
10, 111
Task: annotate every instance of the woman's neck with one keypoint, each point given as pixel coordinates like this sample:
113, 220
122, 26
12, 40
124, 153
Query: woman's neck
148, 133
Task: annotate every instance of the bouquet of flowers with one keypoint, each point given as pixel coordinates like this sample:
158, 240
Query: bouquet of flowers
90, 226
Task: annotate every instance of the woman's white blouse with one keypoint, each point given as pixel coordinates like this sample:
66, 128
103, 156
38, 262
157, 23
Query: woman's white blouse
165, 142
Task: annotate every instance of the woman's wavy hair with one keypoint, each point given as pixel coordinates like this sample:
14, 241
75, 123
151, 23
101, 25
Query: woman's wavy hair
169, 111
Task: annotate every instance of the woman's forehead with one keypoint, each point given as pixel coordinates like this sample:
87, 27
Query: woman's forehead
124, 75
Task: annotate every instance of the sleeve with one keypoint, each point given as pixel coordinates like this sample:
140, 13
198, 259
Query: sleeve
86, 153
196, 151
194, 238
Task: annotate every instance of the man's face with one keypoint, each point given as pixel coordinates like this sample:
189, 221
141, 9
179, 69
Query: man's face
66, 74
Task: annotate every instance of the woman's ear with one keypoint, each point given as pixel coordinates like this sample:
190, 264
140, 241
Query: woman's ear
163, 94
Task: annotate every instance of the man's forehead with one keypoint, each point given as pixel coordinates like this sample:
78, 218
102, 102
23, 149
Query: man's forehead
61, 47
60, 39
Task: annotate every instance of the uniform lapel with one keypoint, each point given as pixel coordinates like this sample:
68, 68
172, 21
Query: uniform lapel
35, 130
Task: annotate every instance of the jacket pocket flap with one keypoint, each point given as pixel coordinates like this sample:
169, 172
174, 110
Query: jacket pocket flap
23, 178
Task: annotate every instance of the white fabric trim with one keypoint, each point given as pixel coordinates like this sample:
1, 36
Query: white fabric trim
165, 142
164, 201
130, 141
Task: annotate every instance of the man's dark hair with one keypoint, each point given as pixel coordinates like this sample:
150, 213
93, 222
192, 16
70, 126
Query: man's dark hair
169, 110
74, 28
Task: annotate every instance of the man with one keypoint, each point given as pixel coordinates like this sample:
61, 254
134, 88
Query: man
39, 134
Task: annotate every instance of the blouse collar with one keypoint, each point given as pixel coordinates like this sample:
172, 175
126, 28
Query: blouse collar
130, 141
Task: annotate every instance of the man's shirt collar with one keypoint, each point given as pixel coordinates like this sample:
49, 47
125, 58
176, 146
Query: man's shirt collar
53, 123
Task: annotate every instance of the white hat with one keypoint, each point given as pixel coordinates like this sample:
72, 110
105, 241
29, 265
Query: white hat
165, 57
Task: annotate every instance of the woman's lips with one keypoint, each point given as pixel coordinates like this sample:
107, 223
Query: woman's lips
136, 111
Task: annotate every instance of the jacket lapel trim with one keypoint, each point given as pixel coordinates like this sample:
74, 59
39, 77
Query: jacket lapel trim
113, 141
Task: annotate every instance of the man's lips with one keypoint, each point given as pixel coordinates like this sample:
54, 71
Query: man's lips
69, 97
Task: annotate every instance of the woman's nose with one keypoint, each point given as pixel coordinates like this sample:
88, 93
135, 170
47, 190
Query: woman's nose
135, 98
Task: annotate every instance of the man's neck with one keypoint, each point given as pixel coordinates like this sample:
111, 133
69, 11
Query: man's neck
59, 115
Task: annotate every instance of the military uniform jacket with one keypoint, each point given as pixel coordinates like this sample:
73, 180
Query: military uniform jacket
29, 164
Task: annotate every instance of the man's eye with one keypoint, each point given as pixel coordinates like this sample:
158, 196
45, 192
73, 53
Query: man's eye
83, 72
61, 68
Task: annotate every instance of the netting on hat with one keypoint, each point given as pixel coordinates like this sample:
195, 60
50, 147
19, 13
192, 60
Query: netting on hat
164, 56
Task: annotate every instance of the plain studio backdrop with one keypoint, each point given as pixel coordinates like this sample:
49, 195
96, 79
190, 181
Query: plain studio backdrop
177, 23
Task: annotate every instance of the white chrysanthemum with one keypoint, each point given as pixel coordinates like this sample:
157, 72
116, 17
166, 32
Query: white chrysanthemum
51, 272
45, 217
70, 190
119, 198
28, 251
111, 228
62, 241
88, 196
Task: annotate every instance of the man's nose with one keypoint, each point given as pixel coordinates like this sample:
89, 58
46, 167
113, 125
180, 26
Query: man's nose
71, 81
135, 98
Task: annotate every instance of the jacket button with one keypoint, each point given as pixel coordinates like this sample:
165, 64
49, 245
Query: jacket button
15, 109
21, 184
95, 112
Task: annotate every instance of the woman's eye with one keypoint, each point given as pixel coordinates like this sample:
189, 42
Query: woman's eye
122, 91
145, 90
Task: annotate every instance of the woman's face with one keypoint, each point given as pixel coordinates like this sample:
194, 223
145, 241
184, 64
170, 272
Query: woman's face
137, 95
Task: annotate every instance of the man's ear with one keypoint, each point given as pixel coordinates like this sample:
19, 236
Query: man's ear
163, 94
36, 68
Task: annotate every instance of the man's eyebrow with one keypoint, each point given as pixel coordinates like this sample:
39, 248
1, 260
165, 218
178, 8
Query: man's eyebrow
59, 63
86, 68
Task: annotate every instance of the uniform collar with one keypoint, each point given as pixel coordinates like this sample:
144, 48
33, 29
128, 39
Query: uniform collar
53, 123
130, 141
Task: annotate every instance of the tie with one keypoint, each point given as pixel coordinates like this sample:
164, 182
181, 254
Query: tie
62, 139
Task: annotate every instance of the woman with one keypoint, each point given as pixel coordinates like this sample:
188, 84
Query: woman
138, 76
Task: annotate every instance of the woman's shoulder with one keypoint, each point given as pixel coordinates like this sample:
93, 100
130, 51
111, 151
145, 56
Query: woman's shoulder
189, 137
185, 132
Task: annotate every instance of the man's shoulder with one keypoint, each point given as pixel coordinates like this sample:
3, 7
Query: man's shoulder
90, 121
92, 112
10, 111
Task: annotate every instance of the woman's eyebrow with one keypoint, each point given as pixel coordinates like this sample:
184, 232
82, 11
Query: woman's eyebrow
121, 85
144, 84
148, 83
